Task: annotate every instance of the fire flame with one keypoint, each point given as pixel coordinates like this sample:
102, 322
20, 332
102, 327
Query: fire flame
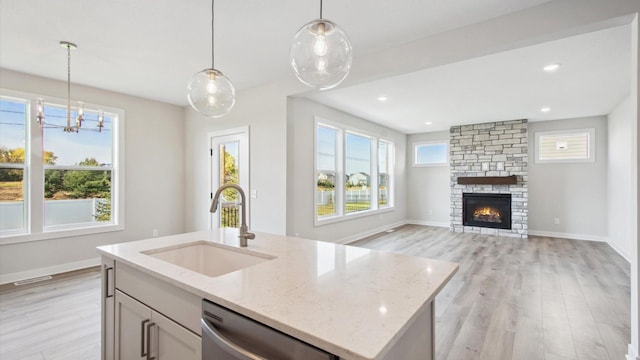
487, 214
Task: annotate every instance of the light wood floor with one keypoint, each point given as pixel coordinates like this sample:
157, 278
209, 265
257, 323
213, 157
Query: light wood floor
57, 320
542, 298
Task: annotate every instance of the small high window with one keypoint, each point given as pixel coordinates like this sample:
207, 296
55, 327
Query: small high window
430, 154
565, 146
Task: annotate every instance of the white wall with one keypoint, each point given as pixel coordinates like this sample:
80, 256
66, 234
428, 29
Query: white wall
619, 176
429, 186
153, 184
576, 193
264, 110
300, 174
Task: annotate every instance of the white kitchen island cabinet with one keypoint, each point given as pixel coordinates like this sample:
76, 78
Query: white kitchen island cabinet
355, 303
142, 333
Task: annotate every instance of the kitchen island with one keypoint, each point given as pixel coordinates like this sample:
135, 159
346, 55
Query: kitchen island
352, 302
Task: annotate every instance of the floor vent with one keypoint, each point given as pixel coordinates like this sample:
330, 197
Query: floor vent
33, 280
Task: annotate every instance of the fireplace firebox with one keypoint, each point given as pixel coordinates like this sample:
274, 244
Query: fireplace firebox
486, 210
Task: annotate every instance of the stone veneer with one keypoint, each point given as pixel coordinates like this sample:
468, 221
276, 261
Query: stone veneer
492, 143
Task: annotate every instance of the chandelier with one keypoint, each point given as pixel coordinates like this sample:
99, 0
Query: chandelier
71, 125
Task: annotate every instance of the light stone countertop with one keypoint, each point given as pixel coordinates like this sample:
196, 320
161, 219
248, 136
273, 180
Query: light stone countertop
353, 302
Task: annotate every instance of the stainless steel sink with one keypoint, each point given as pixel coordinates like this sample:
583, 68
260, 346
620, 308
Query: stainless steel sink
209, 258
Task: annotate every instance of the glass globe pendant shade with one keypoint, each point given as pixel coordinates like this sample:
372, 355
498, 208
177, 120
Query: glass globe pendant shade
321, 54
211, 93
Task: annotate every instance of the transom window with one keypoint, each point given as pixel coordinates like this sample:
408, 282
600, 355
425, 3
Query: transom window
430, 153
565, 146
354, 172
55, 183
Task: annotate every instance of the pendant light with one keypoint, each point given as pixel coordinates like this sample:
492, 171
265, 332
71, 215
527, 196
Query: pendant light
209, 91
320, 54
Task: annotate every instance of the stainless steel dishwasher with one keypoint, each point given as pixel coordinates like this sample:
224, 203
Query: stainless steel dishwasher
227, 335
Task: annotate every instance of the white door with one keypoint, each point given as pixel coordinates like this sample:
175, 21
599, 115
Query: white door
229, 165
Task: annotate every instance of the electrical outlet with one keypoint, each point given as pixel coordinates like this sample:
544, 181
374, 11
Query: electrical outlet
155, 233
556, 221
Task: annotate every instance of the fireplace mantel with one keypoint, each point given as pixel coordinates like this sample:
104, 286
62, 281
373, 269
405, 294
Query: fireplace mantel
487, 180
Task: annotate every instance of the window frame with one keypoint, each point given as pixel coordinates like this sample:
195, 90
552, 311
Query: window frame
26, 193
591, 143
416, 145
35, 229
340, 183
389, 173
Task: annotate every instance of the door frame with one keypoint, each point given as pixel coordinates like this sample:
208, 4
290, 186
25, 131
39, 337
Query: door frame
242, 135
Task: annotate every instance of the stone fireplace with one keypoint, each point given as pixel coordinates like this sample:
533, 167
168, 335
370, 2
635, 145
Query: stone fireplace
489, 178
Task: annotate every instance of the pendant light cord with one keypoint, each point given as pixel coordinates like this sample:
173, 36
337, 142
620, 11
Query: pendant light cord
320, 9
212, 36
68, 86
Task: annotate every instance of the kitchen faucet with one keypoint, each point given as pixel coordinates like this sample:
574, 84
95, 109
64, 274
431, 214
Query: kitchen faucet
244, 230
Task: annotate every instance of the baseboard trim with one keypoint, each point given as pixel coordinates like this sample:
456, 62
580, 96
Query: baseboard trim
617, 249
49, 270
352, 238
632, 355
569, 236
444, 224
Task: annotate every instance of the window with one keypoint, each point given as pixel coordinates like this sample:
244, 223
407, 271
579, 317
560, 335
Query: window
353, 173
358, 170
326, 173
565, 146
55, 183
430, 153
13, 190
384, 171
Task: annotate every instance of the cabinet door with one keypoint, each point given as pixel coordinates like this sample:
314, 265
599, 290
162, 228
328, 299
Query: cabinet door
132, 322
108, 307
171, 341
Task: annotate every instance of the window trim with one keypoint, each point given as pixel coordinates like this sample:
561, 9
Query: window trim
34, 170
430, 142
591, 146
342, 130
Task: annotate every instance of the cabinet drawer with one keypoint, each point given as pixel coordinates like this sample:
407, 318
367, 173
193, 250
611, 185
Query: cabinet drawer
179, 305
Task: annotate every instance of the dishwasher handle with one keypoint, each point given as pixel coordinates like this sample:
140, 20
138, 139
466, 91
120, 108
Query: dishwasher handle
227, 345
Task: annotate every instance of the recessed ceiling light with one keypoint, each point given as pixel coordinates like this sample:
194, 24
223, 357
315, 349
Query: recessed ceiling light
545, 109
428, 123
382, 98
552, 67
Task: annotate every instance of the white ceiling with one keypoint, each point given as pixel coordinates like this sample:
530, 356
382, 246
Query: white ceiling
594, 77
151, 48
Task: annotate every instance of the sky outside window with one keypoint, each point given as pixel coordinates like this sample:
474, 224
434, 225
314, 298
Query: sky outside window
12, 123
431, 154
358, 154
72, 148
